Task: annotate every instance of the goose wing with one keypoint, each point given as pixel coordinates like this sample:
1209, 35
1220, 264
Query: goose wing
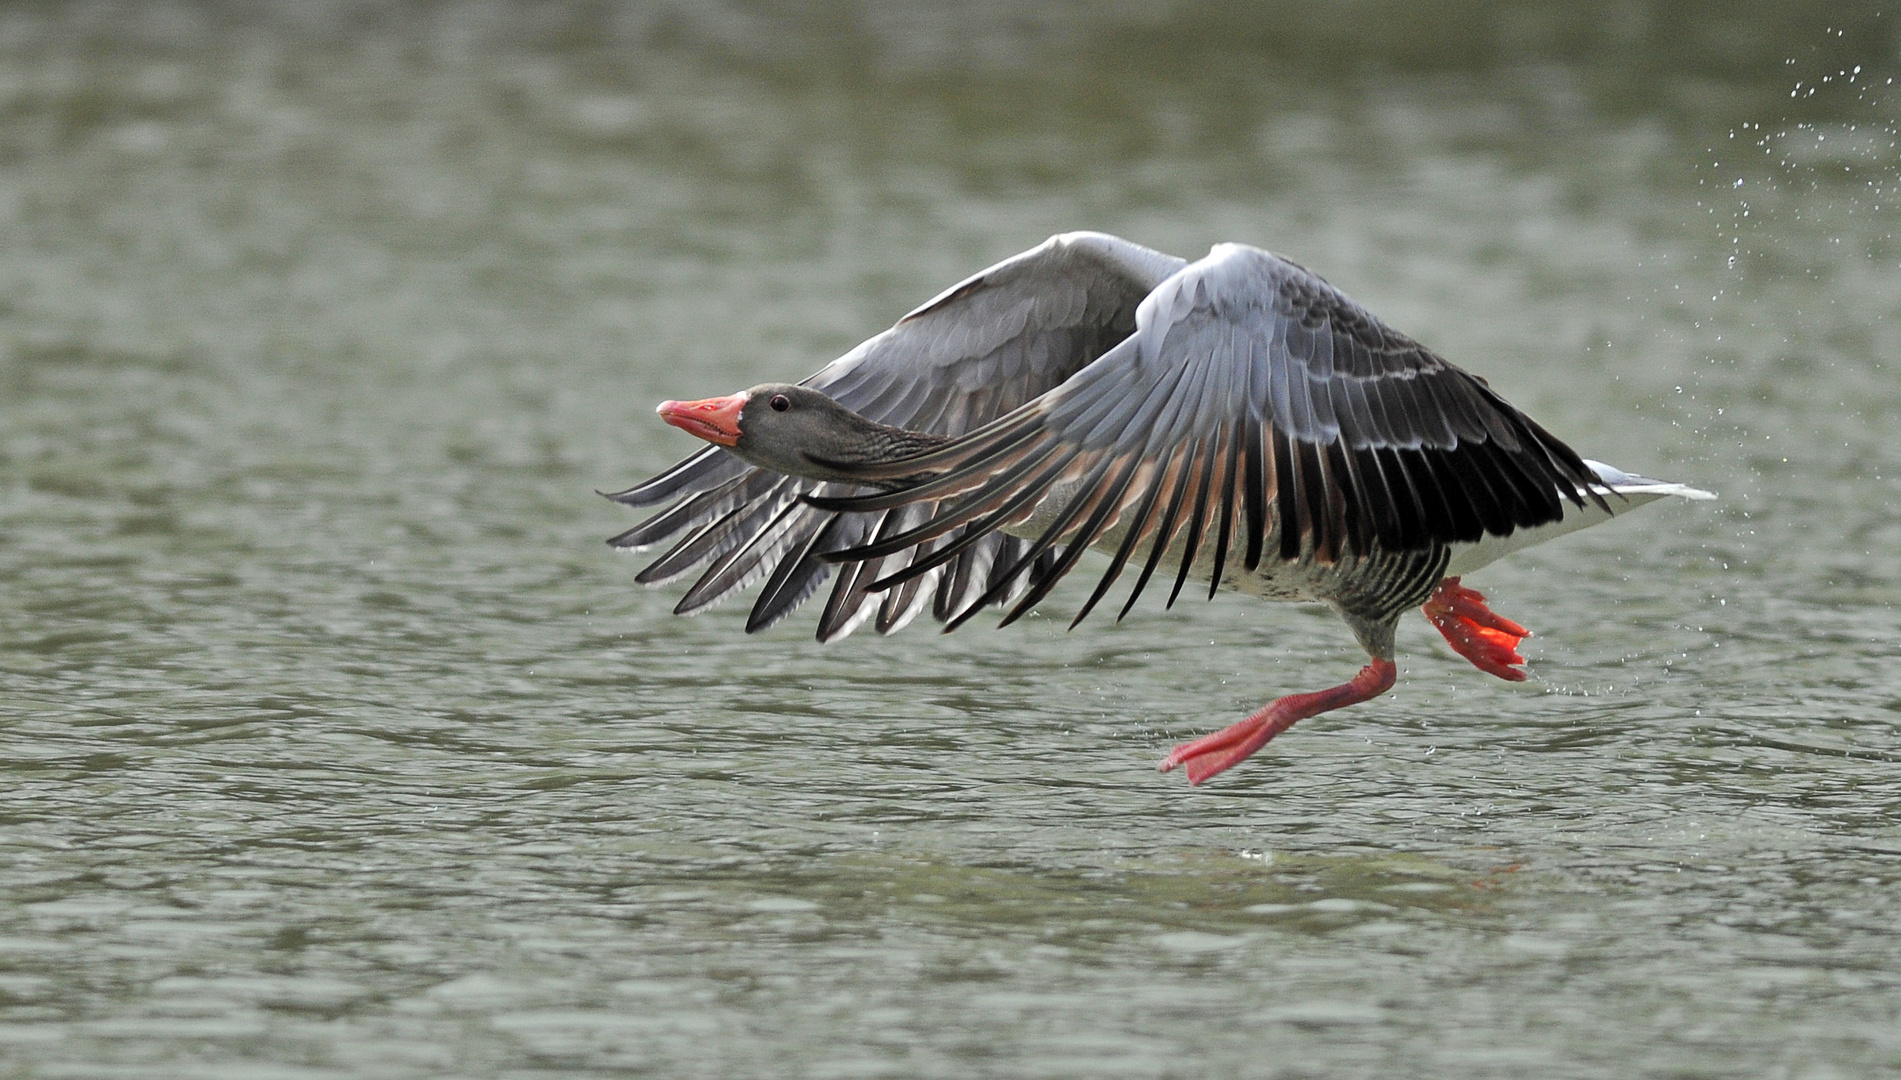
1255, 407
968, 356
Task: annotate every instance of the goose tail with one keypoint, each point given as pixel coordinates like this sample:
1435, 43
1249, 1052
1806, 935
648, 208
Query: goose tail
1630, 484
1626, 492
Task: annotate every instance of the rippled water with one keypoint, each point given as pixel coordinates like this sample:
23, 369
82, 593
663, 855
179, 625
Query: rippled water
337, 744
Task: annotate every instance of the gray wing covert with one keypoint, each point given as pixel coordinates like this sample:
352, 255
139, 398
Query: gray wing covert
958, 362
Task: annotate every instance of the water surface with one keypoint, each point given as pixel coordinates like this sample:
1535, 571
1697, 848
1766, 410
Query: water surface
339, 745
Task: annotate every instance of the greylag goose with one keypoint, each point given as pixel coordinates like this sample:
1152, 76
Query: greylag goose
1234, 420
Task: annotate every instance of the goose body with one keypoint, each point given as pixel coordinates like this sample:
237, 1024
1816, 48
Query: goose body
1234, 421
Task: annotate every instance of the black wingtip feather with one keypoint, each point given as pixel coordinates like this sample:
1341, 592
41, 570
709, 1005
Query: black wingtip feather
1224, 535
1165, 533
1196, 520
1287, 496
1105, 509
1131, 539
1254, 492
795, 580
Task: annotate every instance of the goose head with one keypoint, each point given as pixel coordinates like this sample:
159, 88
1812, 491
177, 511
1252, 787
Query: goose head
794, 430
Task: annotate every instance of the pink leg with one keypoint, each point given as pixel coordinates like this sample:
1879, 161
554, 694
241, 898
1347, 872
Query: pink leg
1475, 632
1228, 747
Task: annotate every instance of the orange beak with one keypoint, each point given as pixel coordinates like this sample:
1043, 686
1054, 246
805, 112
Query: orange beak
715, 419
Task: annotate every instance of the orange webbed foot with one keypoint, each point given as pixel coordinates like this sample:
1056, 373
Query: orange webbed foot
1476, 632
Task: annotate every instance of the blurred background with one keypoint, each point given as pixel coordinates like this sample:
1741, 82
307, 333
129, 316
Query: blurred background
336, 743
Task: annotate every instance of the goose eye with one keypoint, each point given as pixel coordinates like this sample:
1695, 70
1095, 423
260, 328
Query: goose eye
780, 403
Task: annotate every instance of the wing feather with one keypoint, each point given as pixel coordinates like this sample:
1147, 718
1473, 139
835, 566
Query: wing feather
1251, 396
1102, 508
1132, 538
1211, 450
1177, 487
973, 353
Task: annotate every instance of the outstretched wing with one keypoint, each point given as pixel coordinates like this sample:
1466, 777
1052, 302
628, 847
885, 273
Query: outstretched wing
1254, 406
970, 355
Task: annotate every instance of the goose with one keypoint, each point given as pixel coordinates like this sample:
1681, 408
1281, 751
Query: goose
1234, 421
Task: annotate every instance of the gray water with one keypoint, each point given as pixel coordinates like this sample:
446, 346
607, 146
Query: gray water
336, 743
